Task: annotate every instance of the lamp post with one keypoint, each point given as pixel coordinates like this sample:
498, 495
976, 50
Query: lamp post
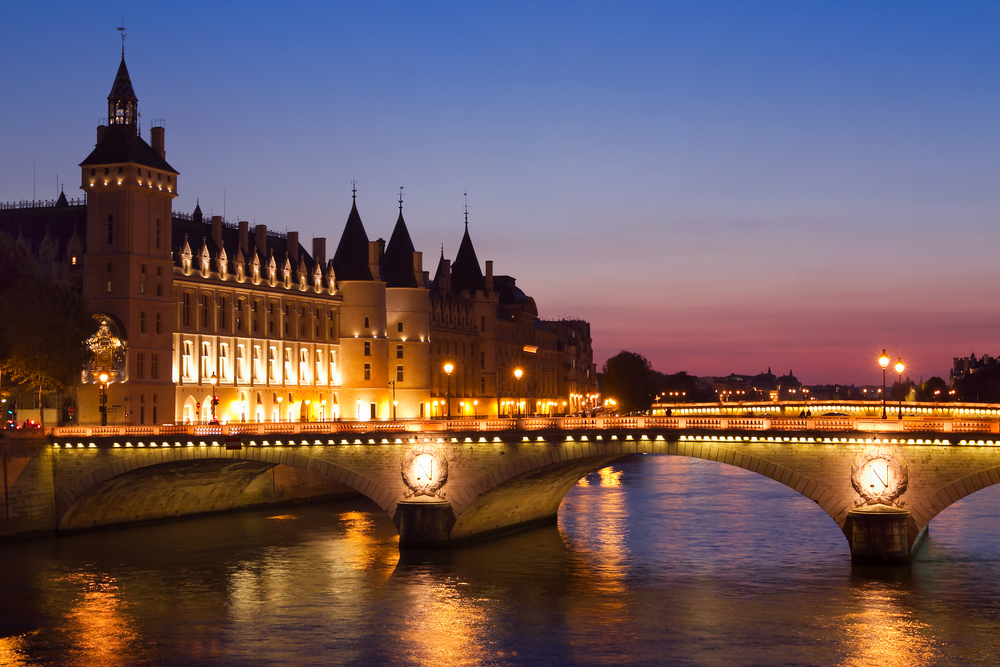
215, 399
104, 399
279, 408
899, 371
448, 368
322, 411
883, 361
392, 383
517, 374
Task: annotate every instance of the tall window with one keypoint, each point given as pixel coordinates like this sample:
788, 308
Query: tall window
187, 361
204, 311
140, 365
288, 365
399, 351
334, 379
157, 233
111, 229
366, 323
186, 309
223, 304
399, 327
258, 364
206, 360
154, 366
482, 361
142, 322
159, 327
241, 361
224, 361
368, 371
303, 366
319, 367
239, 314
272, 364
482, 323
399, 373
368, 349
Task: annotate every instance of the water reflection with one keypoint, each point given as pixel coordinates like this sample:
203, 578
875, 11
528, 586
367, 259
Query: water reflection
881, 631
97, 625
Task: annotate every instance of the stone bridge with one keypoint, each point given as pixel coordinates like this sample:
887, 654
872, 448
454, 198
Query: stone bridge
444, 488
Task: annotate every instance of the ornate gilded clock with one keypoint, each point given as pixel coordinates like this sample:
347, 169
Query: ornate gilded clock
424, 470
879, 476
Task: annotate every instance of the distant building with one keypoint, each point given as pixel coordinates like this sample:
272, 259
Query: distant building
963, 366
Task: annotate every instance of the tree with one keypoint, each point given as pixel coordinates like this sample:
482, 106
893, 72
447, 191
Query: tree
43, 325
926, 390
629, 379
684, 387
983, 386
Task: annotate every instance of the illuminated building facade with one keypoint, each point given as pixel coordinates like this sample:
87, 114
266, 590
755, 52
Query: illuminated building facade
206, 308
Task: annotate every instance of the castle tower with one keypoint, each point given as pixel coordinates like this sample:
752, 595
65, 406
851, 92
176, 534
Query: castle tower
407, 304
127, 265
364, 349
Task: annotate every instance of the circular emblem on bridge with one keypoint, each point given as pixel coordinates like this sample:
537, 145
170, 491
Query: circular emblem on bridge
879, 476
424, 470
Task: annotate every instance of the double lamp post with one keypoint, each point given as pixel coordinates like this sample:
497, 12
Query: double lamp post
883, 361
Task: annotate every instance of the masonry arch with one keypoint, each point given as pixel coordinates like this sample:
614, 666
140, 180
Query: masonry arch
530, 489
156, 484
928, 507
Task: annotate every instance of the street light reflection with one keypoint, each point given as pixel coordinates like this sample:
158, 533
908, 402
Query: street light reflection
881, 632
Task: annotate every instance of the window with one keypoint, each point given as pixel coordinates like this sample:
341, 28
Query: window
222, 312
159, 328
374, 410
186, 309
368, 349
399, 373
107, 170
111, 229
223, 361
204, 311
288, 365
482, 361
239, 314
157, 233
366, 323
319, 366
206, 356
241, 363
399, 351
399, 327
121, 170
188, 360
482, 386
154, 366
303, 365
368, 371
258, 364
272, 363
140, 365
482, 323
142, 322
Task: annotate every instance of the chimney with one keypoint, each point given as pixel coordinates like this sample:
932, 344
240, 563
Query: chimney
260, 238
244, 239
217, 230
418, 267
489, 275
156, 135
293, 247
319, 251
101, 131
376, 249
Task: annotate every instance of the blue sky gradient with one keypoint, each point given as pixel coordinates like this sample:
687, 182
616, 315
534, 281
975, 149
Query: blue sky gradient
722, 186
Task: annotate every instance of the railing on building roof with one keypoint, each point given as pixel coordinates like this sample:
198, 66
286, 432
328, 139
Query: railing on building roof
40, 203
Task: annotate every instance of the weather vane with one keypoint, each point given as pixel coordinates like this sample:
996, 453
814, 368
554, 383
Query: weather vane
354, 189
466, 208
121, 30
400, 198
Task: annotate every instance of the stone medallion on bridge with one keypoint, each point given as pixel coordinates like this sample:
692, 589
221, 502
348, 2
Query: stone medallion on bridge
879, 476
425, 471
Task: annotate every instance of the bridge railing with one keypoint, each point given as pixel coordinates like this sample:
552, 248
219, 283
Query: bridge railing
680, 423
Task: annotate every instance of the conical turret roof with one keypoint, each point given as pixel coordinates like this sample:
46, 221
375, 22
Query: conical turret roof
121, 89
397, 263
465, 272
350, 262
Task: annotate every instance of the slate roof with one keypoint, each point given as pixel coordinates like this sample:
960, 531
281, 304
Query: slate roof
465, 271
397, 262
122, 87
122, 144
350, 262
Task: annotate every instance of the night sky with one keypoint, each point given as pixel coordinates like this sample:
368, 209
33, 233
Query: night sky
723, 187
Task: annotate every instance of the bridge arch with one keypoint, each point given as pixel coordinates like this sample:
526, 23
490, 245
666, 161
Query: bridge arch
932, 504
530, 489
163, 483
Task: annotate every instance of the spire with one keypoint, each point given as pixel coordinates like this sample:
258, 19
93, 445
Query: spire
466, 209
350, 262
397, 262
465, 272
197, 216
123, 106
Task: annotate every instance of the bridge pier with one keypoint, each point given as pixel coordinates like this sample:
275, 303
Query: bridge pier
878, 535
424, 524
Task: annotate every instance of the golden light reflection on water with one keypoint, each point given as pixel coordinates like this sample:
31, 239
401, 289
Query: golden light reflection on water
444, 627
375, 556
101, 632
609, 477
14, 650
880, 632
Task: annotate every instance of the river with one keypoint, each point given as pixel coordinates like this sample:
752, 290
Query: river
654, 561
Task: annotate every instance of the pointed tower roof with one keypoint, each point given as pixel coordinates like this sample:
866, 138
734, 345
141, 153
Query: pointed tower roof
397, 263
465, 271
350, 262
121, 89
62, 199
197, 216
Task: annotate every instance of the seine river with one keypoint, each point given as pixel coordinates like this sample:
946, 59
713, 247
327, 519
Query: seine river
655, 561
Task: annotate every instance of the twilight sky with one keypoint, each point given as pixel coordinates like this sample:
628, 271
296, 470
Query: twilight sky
722, 187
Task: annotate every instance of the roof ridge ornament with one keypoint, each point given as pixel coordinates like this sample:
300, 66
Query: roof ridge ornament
121, 36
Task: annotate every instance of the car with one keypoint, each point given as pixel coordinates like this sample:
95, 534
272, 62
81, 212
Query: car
834, 414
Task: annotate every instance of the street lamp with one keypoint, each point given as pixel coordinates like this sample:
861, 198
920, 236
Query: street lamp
215, 399
104, 399
899, 371
883, 361
392, 383
518, 373
448, 368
